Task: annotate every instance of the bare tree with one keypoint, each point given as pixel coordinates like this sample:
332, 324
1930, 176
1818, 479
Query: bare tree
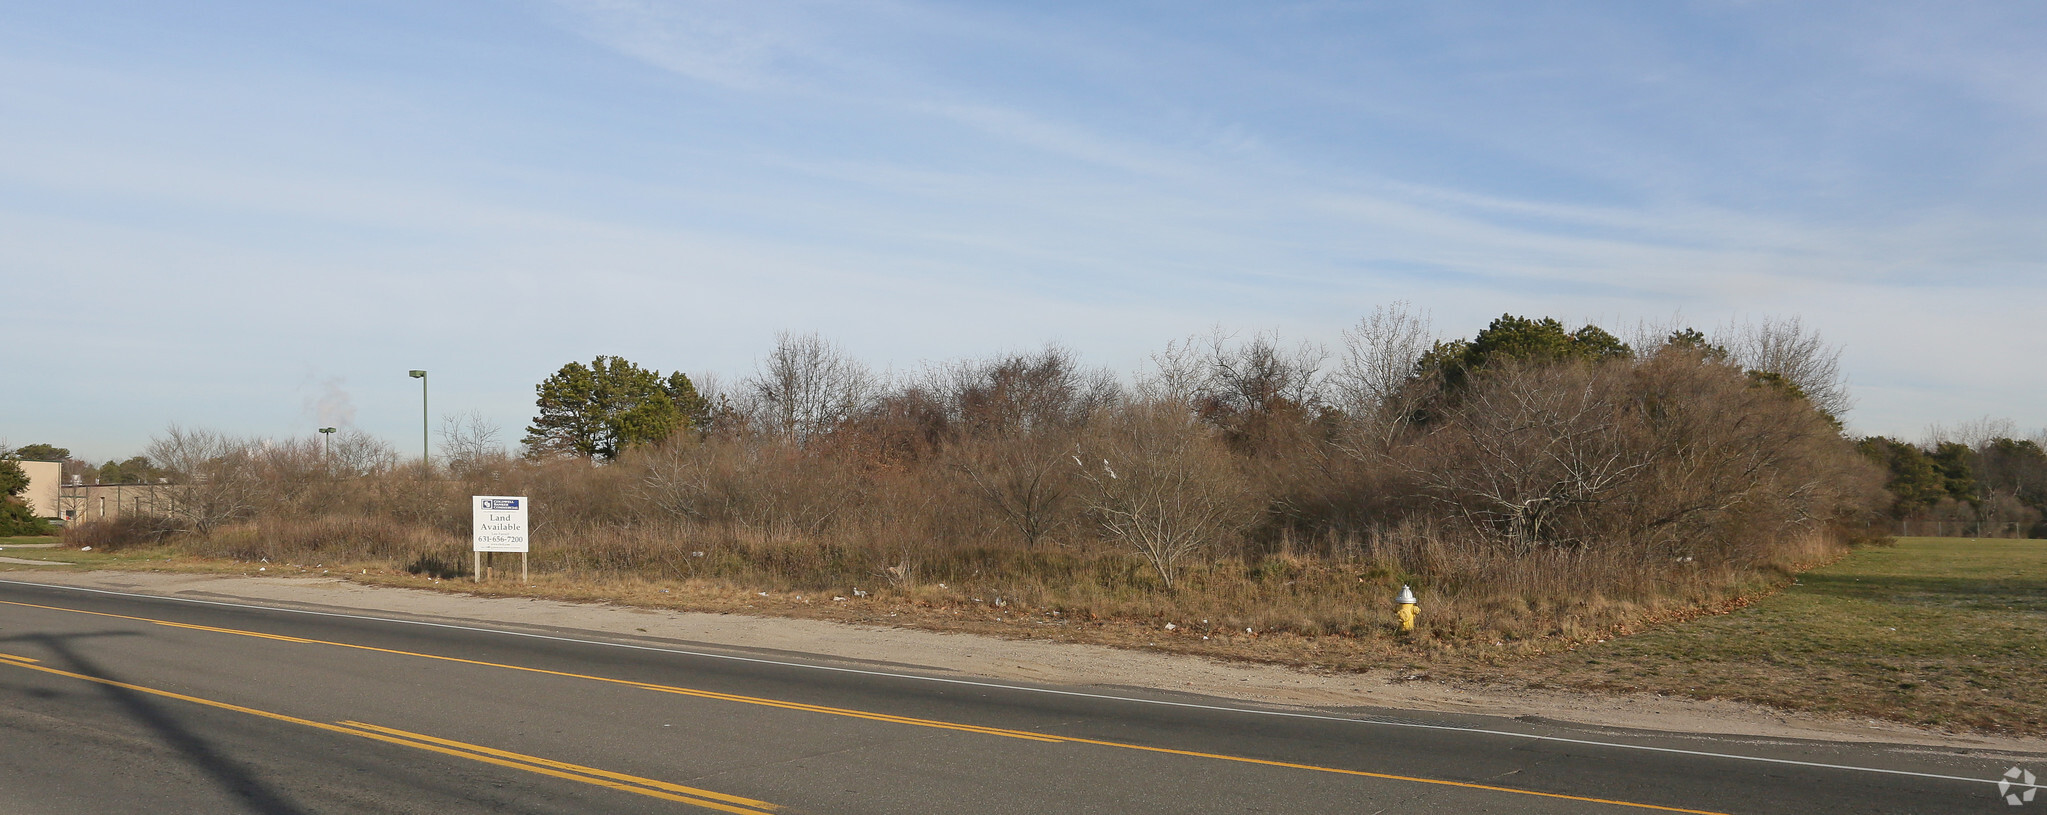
355, 453
807, 386
1528, 447
1252, 389
1379, 357
1974, 434
1648, 336
1021, 393
724, 403
748, 481
679, 481
1160, 483
1178, 374
1375, 381
1262, 374
468, 439
287, 474
1026, 479
1782, 346
213, 478
1013, 419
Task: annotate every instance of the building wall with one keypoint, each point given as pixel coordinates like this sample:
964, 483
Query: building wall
91, 502
45, 486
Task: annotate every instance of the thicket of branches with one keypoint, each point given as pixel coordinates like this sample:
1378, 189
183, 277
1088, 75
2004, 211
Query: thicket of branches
1516, 475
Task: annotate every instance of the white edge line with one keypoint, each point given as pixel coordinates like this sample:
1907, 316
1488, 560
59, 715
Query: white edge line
1028, 689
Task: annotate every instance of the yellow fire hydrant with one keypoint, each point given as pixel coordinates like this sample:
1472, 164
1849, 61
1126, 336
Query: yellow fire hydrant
1407, 609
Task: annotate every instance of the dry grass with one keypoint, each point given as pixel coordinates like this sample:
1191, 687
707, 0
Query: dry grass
1331, 610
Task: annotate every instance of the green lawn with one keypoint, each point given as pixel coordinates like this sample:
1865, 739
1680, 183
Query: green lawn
65, 555
1948, 632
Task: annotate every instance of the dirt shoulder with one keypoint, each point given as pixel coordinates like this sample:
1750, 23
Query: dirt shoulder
1038, 660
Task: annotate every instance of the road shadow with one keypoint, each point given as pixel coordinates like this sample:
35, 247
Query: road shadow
229, 775
2017, 593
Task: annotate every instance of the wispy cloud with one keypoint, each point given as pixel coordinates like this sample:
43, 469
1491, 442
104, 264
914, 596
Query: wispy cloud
925, 180
733, 43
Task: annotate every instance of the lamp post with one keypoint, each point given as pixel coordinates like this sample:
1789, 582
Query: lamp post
326, 443
425, 456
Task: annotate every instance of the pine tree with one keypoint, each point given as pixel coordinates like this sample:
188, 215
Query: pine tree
601, 409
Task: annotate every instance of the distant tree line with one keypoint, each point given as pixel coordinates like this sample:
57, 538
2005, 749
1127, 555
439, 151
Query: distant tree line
1989, 485
134, 470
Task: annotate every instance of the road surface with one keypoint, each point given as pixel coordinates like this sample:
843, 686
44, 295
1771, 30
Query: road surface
120, 703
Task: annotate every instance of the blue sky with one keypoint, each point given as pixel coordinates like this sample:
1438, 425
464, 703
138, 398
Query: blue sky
239, 216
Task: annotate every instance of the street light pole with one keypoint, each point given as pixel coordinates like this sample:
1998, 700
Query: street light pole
327, 443
425, 455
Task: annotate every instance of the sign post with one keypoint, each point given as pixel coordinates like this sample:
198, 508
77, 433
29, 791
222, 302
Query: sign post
500, 525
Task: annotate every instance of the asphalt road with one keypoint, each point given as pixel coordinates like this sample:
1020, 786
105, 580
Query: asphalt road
122, 704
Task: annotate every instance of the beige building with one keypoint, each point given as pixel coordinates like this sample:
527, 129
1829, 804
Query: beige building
49, 497
91, 502
45, 487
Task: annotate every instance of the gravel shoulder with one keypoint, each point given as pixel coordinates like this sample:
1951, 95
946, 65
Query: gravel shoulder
1039, 661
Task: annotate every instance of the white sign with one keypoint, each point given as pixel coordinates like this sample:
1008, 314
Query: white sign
500, 522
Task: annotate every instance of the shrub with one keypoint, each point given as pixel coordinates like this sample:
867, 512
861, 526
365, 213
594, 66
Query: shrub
116, 533
17, 519
1558, 482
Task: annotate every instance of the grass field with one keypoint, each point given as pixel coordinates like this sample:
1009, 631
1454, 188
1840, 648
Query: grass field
39, 549
39, 541
1944, 632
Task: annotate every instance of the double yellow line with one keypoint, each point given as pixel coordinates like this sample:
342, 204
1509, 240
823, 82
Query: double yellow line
809, 708
653, 788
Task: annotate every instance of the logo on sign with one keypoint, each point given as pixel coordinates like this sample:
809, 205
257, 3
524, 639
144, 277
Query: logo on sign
500, 503
2016, 777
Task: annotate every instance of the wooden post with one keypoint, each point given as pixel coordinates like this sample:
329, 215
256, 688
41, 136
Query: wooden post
476, 571
522, 569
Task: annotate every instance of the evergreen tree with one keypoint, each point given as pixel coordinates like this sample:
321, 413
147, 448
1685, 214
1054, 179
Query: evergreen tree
136, 470
1914, 483
1520, 339
1956, 464
15, 517
13, 479
604, 408
41, 452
